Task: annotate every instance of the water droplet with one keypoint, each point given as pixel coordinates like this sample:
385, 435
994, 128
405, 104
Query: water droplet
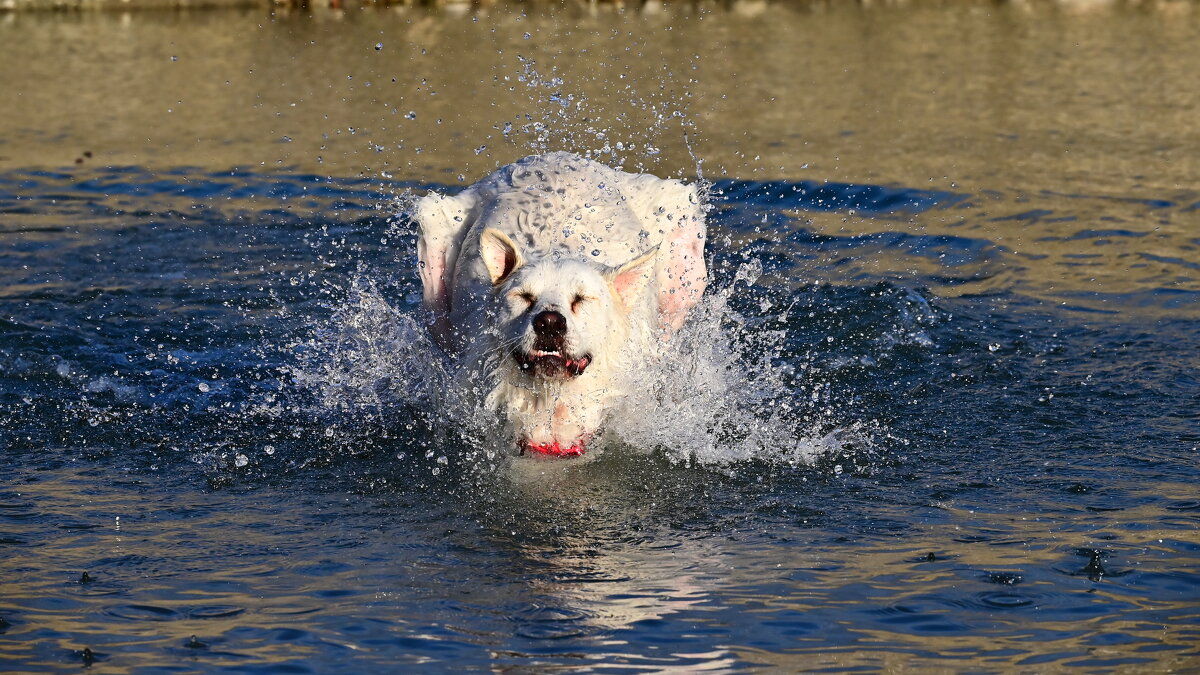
527, 36
241, 460
595, 252
378, 46
411, 115
480, 149
203, 386
270, 449
174, 58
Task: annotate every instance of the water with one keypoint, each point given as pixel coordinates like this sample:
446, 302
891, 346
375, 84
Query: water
945, 424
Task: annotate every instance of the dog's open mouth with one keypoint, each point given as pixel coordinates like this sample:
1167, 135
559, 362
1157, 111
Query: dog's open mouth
552, 362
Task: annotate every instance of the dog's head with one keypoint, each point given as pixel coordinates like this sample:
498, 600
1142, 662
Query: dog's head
560, 317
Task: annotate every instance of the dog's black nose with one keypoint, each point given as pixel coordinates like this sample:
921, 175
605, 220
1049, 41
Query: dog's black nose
550, 324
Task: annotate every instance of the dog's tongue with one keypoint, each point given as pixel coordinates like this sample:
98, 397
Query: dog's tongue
553, 449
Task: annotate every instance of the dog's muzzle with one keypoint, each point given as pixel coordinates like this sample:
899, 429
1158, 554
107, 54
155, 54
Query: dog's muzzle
549, 357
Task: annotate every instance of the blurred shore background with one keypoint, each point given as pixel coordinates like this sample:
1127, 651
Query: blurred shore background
1052, 94
1070, 6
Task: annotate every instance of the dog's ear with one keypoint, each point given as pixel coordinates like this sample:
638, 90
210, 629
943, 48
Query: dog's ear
442, 223
500, 255
630, 280
676, 210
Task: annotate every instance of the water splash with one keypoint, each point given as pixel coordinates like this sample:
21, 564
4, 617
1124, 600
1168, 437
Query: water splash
723, 394
720, 395
563, 117
369, 358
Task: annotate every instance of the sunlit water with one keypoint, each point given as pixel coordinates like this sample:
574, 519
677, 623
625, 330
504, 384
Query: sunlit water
948, 425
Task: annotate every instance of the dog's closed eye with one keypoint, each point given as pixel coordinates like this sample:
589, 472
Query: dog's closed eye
576, 301
522, 296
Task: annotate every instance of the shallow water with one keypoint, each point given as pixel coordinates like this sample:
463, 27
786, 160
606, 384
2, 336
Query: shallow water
935, 424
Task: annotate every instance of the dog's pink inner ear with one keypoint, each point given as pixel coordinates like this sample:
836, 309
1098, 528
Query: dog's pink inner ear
630, 279
500, 255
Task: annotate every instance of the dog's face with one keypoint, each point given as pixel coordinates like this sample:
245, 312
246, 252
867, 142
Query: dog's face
556, 317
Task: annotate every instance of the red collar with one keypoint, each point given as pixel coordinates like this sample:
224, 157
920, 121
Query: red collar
552, 449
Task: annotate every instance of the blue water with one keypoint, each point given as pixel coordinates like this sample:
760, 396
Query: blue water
1003, 470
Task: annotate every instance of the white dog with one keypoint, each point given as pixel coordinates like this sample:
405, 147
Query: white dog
555, 278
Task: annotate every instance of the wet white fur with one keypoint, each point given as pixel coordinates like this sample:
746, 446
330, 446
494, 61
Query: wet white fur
552, 228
